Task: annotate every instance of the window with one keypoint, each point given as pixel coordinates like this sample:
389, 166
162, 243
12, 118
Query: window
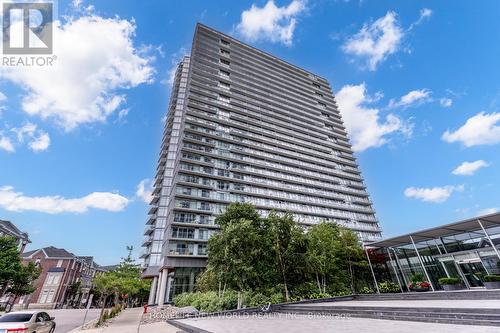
223, 99
224, 42
322, 105
315, 85
204, 219
202, 249
225, 62
203, 234
224, 73
59, 263
205, 206
225, 52
182, 233
222, 185
224, 85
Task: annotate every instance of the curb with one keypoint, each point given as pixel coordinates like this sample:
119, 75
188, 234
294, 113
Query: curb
79, 328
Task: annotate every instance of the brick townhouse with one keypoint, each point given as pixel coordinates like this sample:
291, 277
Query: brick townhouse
60, 270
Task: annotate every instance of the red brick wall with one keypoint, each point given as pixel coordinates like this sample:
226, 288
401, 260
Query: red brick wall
69, 276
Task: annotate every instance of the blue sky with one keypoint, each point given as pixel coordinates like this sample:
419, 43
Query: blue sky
416, 81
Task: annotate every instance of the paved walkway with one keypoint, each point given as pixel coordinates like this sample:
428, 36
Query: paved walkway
129, 322
304, 323
450, 303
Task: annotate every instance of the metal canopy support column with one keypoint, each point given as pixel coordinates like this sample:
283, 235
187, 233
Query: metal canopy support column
371, 269
400, 266
488, 237
395, 270
422, 263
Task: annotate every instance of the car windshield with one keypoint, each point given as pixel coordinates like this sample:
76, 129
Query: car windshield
15, 317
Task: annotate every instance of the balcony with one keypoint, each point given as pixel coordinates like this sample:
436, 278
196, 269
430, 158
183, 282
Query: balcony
147, 240
149, 229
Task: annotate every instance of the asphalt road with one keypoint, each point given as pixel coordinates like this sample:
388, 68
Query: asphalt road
69, 319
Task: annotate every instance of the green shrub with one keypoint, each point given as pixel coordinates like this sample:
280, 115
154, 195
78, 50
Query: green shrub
366, 290
417, 277
492, 278
256, 299
207, 301
343, 292
388, 287
449, 281
319, 296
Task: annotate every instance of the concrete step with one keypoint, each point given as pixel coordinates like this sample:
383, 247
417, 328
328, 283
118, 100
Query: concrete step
461, 316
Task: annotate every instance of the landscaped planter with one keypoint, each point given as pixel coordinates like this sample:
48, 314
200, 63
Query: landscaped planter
451, 283
492, 285
451, 287
420, 289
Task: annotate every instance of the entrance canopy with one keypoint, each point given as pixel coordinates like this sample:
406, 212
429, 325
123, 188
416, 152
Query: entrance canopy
469, 225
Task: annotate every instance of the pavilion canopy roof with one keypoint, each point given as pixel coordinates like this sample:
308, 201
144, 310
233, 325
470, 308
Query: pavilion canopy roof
488, 221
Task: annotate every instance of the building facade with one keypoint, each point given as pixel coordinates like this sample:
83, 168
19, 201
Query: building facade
61, 272
8, 228
245, 126
468, 250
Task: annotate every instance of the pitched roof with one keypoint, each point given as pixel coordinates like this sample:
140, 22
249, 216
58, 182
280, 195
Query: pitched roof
50, 252
11, 229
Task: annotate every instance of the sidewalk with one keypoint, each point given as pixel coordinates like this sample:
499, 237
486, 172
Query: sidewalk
128, 322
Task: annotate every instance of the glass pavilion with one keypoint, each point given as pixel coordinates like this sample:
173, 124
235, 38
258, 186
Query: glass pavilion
468, 249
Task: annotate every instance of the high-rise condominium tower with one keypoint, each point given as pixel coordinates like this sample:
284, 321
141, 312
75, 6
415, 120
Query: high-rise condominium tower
244, 126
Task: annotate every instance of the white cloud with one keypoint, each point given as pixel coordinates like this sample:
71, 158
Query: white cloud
6, 144
469, 168
145, 190
38, 140
270, 22
363, 124
96, 61
17, 202
413, 98
2, 97
488, 211
375, 41
40, 143
425, 14
445, 102
481, 129
435, 194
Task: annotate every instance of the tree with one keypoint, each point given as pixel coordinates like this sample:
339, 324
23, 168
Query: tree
22, 283
321, 253
241, 253
10, 261
351, 254
124, 283
288, 247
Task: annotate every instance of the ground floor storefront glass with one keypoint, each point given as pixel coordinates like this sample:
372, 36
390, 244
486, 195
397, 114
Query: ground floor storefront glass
468, 250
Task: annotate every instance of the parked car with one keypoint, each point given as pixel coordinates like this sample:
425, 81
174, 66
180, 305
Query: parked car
28, 322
